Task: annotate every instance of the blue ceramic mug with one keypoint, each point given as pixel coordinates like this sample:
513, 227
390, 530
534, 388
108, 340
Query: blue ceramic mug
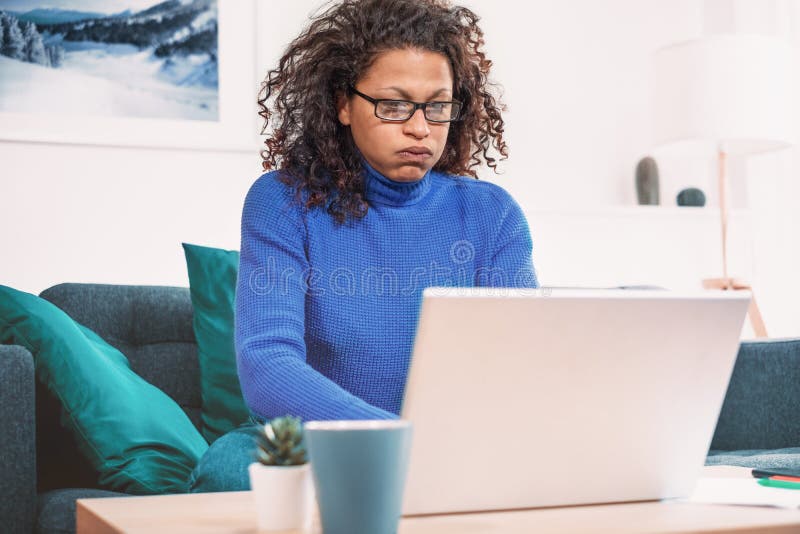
359, 470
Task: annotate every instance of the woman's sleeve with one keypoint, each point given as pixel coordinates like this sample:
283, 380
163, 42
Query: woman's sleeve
270, 316
511, 264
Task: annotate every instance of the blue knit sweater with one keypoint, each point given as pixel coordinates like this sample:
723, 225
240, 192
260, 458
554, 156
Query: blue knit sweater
326, 315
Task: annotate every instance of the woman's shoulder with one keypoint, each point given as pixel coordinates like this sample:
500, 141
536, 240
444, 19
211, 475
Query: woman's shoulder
271, 194
271, 185
478, 192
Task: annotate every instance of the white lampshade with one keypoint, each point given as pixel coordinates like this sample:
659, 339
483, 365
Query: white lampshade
731, 90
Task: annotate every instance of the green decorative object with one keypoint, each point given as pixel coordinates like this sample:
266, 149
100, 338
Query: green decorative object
647, 187
280, 476
136, 438
691, 196
212, 280
280, 442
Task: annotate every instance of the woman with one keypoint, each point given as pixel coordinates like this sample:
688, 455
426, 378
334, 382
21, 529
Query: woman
380, 111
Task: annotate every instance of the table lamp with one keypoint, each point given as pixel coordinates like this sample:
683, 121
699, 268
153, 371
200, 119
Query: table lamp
725, 95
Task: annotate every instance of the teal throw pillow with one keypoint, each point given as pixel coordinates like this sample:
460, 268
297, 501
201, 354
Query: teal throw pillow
136, 437
212, 282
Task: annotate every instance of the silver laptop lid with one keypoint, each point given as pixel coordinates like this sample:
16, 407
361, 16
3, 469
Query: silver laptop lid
526, 398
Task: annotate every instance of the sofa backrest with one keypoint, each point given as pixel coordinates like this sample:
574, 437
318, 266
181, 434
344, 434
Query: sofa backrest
152, 327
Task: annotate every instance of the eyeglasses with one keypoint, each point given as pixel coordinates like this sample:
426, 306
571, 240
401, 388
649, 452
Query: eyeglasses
402, 110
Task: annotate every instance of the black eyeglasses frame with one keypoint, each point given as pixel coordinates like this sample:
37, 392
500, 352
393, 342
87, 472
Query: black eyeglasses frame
417, 105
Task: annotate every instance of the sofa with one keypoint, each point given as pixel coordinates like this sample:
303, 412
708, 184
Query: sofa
43, 473
42, 470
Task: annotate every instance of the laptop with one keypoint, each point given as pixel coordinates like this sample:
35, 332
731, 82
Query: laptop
524, 398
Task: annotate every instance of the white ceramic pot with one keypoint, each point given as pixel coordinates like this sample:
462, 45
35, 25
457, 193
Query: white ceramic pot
283, 495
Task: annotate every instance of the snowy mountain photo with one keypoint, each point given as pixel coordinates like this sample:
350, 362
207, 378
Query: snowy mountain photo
132, 58
55, 16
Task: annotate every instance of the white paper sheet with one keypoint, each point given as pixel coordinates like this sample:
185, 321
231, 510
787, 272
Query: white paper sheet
743, 492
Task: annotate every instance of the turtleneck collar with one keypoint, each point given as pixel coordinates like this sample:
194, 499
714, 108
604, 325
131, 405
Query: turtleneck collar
382, 190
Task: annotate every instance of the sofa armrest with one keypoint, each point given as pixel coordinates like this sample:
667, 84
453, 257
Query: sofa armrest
17, 440
762, 405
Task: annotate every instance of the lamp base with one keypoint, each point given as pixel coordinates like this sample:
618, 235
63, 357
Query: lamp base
732, 284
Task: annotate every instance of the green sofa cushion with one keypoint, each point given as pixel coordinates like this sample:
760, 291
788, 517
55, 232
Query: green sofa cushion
137, 439
212, 282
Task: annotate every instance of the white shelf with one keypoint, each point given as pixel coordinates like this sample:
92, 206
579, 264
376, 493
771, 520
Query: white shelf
628, 245
638, 211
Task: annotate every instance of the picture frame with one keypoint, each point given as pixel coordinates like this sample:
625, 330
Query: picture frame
236, 127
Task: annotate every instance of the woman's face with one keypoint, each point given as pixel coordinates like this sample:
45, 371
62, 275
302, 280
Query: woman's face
401, 151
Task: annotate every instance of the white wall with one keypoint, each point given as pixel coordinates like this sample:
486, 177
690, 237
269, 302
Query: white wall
576, 76
116, 215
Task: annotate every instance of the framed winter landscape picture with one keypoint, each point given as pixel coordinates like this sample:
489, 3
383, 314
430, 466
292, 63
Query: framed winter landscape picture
174, 73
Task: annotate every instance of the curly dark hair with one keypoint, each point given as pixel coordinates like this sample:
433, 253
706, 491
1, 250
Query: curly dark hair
331, 54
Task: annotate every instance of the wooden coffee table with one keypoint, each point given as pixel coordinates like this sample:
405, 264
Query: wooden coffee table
232, 512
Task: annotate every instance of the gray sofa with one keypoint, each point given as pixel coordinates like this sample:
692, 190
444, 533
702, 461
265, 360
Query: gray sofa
759, 424
41, 469
42, 472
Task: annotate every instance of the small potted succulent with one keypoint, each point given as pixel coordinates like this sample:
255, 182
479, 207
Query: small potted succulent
280, 476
